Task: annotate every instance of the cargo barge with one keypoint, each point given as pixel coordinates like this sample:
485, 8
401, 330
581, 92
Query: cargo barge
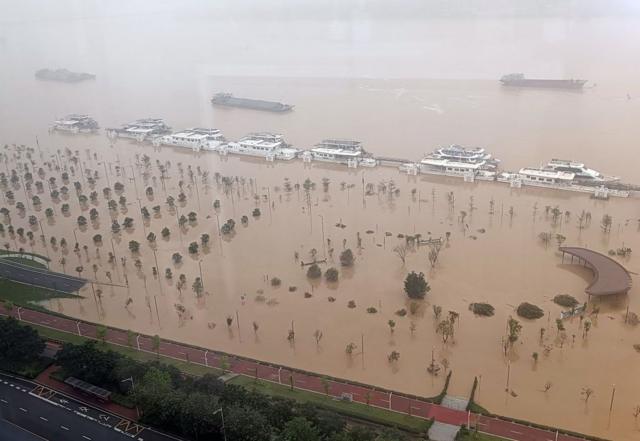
519, 80
63, 75
228, 100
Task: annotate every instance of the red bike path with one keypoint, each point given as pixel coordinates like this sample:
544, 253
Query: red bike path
306, 381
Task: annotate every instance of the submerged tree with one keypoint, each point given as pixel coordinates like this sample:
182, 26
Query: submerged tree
197, 286
445, 329
346, 258
415, 285
606, 223
331, 275
514, 327
314, 271
401, 252
134, 246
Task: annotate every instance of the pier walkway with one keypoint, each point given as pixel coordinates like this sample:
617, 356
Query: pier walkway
609, 276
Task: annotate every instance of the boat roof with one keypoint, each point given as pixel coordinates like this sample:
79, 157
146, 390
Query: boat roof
197, 133
566, 162
450, 163
261, 141
342, 142
190, 135
463, 151
135, 129
203, 130
547, 173
340, 152
263, 135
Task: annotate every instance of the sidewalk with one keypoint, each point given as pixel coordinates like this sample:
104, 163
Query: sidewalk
45, 379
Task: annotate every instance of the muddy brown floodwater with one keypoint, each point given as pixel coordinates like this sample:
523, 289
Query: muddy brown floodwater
495, 258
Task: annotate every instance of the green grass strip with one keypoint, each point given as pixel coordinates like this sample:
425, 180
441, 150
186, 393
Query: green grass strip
372, 414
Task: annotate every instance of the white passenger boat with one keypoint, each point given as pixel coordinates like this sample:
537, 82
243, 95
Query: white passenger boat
545, 178
447, 167
268, 145
474, 155
75, 124
455, 160
342, 151
558, 180
581, 172
141, 130
195, 139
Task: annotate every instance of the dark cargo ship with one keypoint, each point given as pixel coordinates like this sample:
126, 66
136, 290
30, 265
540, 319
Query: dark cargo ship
226, 99
63, 75
519, 80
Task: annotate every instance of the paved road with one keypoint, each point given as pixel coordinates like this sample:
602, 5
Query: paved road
40, 277
53, 416
9, 431
306, 381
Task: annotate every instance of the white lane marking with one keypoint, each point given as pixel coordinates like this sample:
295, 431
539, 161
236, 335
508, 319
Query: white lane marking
44, 419
517, 433
64, 428
86, 437
4, 401
22, 409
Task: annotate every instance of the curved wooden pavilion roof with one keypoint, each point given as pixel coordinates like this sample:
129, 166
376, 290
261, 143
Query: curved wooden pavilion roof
609, 276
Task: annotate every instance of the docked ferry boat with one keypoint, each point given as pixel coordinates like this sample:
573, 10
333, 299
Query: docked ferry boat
581, 172
448, 167
538, 177
457, 153
268, 145
559, 180
455, 160
141, 130
341, 151
195, 139
75, 124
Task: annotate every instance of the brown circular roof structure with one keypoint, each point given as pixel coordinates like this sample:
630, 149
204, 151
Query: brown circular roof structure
609, 276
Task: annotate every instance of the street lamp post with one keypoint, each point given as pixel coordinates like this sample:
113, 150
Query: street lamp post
132, 388
323, 242
155, 256
144, 227
45, 242
224, 432
106, 174
269, 200
200, 268
113, 250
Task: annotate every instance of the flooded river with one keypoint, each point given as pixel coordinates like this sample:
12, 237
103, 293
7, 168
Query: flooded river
401, 97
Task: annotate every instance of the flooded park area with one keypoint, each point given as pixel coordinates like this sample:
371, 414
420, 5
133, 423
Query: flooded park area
304, 264
257, 297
